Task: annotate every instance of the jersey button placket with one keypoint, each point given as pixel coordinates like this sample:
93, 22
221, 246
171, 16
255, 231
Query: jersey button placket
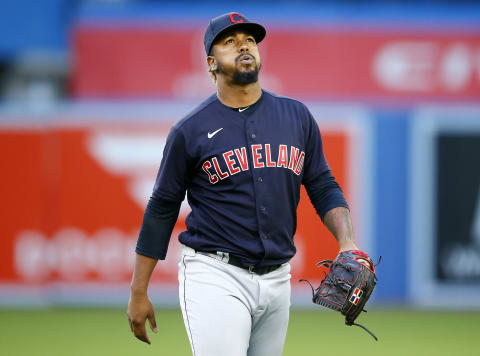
263, 210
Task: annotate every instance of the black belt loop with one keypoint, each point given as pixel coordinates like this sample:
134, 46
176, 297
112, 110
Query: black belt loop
235, 261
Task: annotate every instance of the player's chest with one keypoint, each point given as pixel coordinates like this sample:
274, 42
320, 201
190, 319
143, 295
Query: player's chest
226, 149
219, 135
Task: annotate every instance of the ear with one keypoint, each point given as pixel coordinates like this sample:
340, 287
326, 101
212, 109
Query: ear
212, 64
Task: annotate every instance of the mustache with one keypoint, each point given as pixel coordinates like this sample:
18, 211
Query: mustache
242, 55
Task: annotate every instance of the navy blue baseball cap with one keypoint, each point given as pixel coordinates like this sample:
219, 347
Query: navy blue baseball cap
226, 22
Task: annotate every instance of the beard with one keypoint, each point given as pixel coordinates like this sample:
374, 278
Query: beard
241, 77
245, 77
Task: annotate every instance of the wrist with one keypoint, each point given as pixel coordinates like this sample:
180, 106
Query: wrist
138, 290
347, 245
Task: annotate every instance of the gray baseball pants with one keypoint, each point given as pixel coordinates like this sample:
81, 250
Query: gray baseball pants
229, 311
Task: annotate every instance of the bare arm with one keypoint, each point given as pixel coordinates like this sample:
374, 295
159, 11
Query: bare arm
140, 307
338, 221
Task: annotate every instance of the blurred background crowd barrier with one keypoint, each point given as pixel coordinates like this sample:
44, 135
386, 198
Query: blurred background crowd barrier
90, 89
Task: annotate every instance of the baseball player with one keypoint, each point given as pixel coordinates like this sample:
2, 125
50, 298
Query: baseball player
241, 157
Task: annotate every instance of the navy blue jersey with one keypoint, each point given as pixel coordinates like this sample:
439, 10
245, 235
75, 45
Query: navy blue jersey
242, 171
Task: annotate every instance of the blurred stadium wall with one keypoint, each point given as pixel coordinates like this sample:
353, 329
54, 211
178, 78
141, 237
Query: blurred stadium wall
89, 90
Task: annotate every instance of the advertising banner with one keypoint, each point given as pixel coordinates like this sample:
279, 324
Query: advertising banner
445, 207
458, 209
74, 192
116, 61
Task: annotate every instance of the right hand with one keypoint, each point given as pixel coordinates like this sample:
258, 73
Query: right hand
139, 309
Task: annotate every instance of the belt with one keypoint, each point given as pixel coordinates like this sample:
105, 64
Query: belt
235, 261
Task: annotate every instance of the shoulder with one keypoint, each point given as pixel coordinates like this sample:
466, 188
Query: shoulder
292, 108
198, 111
289, 106
285, 100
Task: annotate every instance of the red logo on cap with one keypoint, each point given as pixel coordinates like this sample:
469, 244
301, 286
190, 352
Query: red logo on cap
232, 17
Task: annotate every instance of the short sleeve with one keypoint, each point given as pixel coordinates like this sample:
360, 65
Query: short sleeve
173, 174
315, 162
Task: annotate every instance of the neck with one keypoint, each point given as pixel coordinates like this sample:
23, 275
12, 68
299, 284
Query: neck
237, 96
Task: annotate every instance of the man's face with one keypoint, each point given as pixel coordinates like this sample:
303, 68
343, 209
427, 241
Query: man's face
236, 56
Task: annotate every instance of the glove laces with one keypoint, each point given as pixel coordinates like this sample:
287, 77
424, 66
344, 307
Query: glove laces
363, 327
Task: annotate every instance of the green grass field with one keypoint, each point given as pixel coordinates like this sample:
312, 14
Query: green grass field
106, 332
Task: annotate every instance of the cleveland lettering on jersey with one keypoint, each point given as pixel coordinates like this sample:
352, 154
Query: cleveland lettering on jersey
293, 162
